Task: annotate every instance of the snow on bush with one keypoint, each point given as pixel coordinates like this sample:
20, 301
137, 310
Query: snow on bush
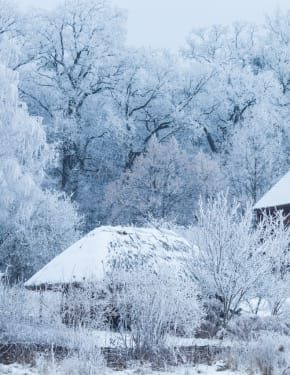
269, 354
250, 327
15, 310
153, 303
88, 360
30, 317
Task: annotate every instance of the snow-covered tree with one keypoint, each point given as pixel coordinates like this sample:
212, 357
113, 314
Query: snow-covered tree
77, 60
238, 43
34, 224
256, 156
276, 51
158, 96
10, 20
245, 107
104, 102
232, 261
75, 51
164, 183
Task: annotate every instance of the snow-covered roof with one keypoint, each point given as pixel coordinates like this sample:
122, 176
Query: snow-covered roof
88, 259
278, 195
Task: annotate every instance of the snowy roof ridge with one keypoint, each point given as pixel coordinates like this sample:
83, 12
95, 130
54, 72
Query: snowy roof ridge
278, 195
87, 259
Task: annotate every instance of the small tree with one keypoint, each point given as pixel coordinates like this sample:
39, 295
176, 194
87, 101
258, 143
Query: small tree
253, 163
233, 261
164, 183
157, 185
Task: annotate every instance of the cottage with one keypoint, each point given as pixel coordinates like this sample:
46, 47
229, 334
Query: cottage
87, 262
277, 198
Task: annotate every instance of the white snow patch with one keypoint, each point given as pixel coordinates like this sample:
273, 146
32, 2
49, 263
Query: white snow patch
192, 341
17, 369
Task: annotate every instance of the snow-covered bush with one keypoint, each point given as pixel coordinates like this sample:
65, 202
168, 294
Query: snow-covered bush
152, 304
13, 308
86, 360
33, 317
84, 306
84, 363
267, 355
27, 316
250, 327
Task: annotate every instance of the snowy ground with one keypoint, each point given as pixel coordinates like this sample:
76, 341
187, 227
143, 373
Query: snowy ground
201, 370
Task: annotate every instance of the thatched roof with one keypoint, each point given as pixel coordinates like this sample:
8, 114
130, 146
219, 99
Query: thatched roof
89, 259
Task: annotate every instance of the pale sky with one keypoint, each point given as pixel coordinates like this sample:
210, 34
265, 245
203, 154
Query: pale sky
166, 23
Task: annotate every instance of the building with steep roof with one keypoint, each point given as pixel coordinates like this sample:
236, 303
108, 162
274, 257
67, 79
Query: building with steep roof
277, 198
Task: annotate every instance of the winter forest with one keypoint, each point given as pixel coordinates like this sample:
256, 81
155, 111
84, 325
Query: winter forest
98, 134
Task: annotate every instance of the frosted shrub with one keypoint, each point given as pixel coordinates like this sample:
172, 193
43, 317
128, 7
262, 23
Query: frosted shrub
24, 317
84, 307
14, 308
88, 361
76, 366
31, 317
268, 355
248, 327
153, 304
